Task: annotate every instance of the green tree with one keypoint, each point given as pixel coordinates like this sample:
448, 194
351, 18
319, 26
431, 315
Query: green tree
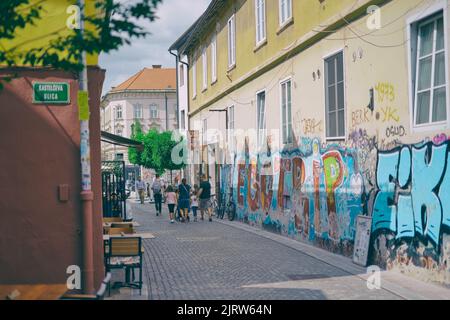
115, 27
135, 155
158, 150
150, 158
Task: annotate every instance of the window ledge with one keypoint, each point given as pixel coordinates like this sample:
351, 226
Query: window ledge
204, 89
214, 82
285, 25
231, 68
430, 127
335, 139
260, 45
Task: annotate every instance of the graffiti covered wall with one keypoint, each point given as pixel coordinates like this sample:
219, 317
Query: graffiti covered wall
411, 211
315, 191
309, 193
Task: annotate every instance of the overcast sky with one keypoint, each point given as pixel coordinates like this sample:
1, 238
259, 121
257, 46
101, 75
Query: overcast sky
175, 17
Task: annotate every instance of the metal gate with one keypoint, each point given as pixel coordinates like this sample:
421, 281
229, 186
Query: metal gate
113, 189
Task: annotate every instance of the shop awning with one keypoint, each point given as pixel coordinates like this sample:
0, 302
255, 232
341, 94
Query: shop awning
120, 141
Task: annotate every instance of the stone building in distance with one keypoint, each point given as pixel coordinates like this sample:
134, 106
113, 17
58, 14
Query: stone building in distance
149, 97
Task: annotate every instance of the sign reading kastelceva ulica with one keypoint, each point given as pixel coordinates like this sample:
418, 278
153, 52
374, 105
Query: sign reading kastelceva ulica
51, 93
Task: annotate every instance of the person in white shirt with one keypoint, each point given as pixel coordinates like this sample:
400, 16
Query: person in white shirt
157, 188
140, 187
194, 202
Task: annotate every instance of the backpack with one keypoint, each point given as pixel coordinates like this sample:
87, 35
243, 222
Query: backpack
156, 187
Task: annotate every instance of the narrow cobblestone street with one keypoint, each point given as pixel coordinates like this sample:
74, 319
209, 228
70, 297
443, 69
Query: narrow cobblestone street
204, 260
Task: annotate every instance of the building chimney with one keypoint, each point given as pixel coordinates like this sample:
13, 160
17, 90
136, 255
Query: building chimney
157, 66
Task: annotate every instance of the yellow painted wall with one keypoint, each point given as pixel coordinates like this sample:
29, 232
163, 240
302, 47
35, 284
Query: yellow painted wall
377, 67
52, 22
307, 15
379, 60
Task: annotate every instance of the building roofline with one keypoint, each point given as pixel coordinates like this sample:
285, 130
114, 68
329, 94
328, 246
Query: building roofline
193, 34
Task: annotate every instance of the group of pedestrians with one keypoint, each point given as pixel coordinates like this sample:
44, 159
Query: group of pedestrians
183, 198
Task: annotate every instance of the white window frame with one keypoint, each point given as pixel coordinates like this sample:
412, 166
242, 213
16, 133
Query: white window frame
288, 6
231, 25
183, 119
181, 74
137, 107
412, 23
204, 69
283, 143
260, 21
324, 79
214, 59
154, 108
261, 133
194, 79
119, 110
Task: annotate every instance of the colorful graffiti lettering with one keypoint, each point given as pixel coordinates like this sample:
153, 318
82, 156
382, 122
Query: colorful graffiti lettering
385, 92
390, 114
440, 138
312, 126
297, 188
360, 117
413, 191
315, 191
395, 131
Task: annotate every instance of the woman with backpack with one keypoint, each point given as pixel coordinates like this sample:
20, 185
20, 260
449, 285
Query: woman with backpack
184, 197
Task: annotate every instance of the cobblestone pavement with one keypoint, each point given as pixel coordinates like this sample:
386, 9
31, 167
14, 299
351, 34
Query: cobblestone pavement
211, 260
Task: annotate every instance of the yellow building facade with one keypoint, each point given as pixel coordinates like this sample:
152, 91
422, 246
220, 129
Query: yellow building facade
339, 109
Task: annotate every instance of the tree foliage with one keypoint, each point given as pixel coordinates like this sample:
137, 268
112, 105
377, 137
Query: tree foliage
115, 27
135, 155
157, 153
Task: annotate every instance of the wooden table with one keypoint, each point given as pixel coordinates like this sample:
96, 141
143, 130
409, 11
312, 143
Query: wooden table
34, 291
143, 235
123, 223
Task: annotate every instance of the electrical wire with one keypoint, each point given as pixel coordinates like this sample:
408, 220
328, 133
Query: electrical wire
356, 36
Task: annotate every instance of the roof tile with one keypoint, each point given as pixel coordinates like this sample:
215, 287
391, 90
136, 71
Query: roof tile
150, 79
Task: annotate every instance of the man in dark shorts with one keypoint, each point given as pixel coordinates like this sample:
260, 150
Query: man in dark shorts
204, 195
184, 196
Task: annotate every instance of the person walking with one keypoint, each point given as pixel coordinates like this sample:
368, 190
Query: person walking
140, 187
194, 202
157, 194
171, 200
205, 197
184, 194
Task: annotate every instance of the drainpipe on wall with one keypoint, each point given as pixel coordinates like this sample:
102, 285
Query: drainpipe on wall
87, 196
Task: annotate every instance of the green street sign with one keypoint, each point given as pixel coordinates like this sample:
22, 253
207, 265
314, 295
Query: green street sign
51, 93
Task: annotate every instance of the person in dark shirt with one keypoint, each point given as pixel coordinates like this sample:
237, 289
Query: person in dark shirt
184, 195
205, 197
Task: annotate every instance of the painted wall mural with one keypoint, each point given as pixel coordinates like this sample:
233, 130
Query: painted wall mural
411, 211
312, 193
315, 191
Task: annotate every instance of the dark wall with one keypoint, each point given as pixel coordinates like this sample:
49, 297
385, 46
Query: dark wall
40, 236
